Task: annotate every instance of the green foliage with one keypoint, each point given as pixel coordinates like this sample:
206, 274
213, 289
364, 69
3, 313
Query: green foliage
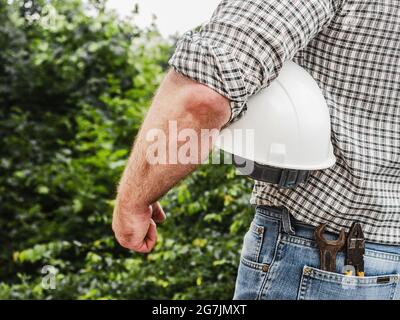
75, 84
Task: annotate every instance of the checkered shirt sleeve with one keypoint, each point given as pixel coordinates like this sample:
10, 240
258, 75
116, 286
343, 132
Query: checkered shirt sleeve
242, 48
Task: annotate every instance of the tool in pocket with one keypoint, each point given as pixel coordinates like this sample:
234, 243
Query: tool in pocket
355, 250
329, 248
354, 244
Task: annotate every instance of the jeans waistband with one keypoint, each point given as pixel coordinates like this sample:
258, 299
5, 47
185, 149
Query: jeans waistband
294, 227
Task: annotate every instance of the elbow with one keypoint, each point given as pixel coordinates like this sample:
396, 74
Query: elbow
204, 104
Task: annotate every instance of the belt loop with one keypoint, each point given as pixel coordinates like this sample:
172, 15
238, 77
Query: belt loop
286, 222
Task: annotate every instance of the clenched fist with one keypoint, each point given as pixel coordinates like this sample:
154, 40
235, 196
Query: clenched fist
135, 226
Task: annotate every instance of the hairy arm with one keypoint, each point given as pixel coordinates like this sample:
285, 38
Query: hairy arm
190, 105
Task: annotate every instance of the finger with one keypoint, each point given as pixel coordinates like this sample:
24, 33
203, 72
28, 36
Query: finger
130, 233
146, 245
151, 239
125, 241
158, 213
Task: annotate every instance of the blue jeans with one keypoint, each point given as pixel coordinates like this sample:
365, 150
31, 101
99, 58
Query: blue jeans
277, 264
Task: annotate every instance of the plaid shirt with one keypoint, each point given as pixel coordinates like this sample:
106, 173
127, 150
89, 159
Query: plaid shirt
352, 49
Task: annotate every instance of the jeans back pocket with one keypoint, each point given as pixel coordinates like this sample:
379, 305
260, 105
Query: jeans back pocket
261, 239
252, 243
322, 285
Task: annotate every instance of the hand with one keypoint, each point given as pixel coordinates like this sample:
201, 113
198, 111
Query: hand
135, 227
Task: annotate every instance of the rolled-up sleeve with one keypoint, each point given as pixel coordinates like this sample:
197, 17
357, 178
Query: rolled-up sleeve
244, 45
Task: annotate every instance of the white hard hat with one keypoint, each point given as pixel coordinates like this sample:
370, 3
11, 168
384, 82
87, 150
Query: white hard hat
289, 125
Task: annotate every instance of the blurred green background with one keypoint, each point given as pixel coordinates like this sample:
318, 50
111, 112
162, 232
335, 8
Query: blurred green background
75, 83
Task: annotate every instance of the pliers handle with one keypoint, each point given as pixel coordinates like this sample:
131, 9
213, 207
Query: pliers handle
355, 250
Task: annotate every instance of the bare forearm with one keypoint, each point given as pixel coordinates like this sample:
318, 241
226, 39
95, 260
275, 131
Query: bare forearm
173, 110
187, 105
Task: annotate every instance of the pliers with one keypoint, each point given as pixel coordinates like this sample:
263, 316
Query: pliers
355, 250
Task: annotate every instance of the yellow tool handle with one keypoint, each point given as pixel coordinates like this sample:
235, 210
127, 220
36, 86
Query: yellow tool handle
350, 273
